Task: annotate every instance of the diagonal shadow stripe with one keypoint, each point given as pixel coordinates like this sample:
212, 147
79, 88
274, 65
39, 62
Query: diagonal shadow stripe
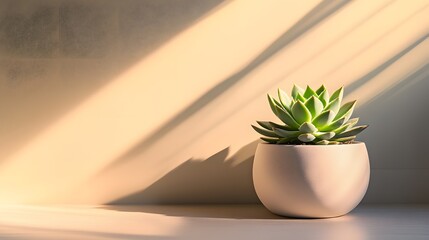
419, 75
366, 78
311, 19
126, 32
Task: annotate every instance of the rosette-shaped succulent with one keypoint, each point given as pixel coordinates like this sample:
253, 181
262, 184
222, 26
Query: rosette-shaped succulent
310, 117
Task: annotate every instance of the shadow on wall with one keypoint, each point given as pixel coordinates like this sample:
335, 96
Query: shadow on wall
400, 128
198, 181
311, 19
75, 67
203, 181
367, 77
403, 132
54, 54
398, 145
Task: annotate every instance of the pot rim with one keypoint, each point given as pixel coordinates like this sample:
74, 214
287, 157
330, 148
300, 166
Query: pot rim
312, 146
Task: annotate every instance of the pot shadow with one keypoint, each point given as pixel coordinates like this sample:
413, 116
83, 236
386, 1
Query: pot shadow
218, 187
216, 180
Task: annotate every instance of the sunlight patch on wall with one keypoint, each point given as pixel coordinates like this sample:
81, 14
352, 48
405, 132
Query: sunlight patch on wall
366, 39
397, 72
141, 99
94, 153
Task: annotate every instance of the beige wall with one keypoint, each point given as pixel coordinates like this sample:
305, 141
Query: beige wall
151, 101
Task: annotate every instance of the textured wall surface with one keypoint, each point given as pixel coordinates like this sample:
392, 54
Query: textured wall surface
141, 101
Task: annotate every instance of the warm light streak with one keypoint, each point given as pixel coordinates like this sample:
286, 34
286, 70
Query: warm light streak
88, 219
336, 48
392, 76
70, 161
141, 99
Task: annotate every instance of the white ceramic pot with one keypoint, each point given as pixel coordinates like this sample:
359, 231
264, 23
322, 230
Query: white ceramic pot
311, 181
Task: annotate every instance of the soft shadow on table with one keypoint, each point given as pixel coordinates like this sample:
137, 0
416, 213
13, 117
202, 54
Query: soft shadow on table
218, 187
231, 211
219, 179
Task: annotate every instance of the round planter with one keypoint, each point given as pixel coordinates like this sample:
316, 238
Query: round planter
311, 181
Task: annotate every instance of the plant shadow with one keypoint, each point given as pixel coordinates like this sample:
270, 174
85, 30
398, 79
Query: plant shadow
218, 187
218, 179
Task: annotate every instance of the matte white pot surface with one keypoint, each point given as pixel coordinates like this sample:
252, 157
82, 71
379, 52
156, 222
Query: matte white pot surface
311, 181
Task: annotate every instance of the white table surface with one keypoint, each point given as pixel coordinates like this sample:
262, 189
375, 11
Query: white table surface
379, 222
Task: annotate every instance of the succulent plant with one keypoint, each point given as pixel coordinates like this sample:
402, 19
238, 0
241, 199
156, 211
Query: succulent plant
310, 117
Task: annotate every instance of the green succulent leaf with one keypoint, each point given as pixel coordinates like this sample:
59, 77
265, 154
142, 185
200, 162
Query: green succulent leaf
275, 105
324, 98
285, 100
300, 97
324, 119
352, 122
287, 118
348, 115
322, 142
325, 135
306, 137
309, 92
346, 111
269, 140
265, 132
337, 94
285, 133
265, 125
334, 105
314, 105
347, 125
341, 129
296, 90
310, 116
272, 104
300, 112
284, 140
284, 127
345, 139
352, 131
334, 125
320, 90
307, 127
278, 104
